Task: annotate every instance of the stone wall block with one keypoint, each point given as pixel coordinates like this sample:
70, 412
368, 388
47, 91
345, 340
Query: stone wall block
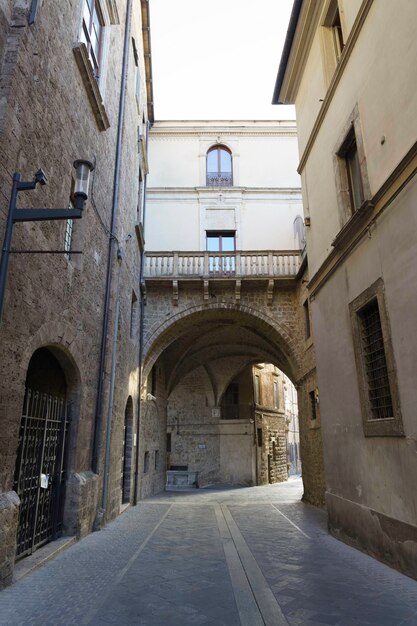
9, 516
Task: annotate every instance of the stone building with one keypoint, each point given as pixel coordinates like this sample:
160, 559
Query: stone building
225, 290
75, 83
246, 445
348, 65
293, 427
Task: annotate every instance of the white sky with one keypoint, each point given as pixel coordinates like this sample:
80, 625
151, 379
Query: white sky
217, 59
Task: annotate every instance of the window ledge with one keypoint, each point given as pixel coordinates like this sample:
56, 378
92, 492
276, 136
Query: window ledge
353, 225
387, 427
91, 87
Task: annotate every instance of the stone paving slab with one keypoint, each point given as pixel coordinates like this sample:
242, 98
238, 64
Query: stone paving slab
167, 562
319, 580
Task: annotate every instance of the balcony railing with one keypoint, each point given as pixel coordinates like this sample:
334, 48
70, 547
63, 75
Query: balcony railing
239, 264
219, 179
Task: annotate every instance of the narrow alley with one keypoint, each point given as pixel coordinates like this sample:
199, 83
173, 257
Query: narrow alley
214, 556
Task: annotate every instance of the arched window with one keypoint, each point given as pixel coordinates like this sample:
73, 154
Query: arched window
219, 167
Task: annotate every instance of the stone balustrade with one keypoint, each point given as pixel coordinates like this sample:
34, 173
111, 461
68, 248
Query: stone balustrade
239, 264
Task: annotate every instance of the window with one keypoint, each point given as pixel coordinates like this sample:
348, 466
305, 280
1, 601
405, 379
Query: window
307, 328
133, 315
332, 40
335, 26
257, 390
230, 402
219, 167
169, 442
333, 36
140, 195
146, 463
92, 33
224, 243
275, 394
352, 185
313, 406
137, 74
375, 364
156, 460
259, 437
349, 153
221, 241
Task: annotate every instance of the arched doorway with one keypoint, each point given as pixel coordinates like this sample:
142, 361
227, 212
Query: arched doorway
127, 452
41, 464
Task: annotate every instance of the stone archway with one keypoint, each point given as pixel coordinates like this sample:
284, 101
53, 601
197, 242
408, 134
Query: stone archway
282, 338
41, 468
201, 347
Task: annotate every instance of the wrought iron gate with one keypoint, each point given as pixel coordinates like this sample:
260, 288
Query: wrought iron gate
40, 470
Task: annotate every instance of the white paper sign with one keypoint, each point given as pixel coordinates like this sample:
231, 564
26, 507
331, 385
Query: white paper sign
44, 481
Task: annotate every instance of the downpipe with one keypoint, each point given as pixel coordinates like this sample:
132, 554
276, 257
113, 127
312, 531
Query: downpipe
141, 327
99, 521
98, 420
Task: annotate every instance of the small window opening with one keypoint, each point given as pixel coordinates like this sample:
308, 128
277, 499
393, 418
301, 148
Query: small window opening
307, 327
275, 394
257, 390
146, 463
313, 406
259, 437
133, 315
376, 370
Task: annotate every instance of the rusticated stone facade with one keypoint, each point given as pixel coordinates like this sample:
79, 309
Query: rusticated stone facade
53, 111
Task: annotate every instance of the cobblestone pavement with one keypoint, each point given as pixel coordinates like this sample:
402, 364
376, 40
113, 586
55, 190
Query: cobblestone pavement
216, 557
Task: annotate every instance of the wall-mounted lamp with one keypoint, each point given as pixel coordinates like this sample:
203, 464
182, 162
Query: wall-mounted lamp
83, 170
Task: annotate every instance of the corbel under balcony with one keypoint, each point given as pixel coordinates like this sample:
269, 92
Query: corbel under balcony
265, 268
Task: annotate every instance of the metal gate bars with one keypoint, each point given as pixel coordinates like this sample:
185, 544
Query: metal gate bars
40, 470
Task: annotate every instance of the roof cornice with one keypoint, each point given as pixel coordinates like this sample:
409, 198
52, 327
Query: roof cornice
301, 30
146, 36
224, 129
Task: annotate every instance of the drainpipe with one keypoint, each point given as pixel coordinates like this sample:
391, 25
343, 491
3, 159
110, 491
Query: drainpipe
141, 326
110, 411
115, 206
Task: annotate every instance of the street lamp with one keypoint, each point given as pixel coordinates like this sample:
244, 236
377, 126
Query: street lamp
83, 170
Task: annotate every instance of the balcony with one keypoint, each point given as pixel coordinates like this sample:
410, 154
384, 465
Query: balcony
219, 179
264, 264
